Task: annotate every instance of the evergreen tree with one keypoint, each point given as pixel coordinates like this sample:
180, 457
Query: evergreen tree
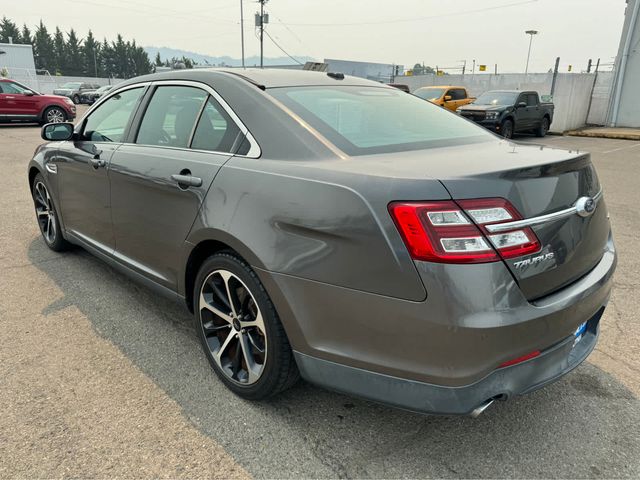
25, 36
43, 49
107, 63
158, 61
59, 52
90, 55
73, 55
8, 30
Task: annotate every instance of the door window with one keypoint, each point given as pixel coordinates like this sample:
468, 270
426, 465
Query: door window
215, 131
12, 88
109, 121
532, 99
171, 116
457, 94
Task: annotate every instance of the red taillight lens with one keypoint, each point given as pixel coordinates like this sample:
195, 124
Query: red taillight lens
521, 359
444, 232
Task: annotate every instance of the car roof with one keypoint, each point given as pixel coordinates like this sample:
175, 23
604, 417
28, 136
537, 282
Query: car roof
267, 77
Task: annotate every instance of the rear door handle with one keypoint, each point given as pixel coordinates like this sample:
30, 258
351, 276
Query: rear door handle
185, 181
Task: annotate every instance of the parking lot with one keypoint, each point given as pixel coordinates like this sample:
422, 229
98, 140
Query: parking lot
101, 377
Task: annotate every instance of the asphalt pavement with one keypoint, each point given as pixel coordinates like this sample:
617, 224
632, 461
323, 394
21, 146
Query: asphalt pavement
102, 378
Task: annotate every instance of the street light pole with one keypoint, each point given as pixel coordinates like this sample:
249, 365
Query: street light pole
531, 33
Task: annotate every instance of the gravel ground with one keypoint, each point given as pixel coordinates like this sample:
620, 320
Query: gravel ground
102, 378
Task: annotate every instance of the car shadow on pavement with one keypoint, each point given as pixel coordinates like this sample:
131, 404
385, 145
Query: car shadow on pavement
585, 425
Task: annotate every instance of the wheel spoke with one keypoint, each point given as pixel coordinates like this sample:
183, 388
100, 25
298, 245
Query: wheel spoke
42, 213
226, 276
257, 322
248, 358
216, 311
254, 344
224, 346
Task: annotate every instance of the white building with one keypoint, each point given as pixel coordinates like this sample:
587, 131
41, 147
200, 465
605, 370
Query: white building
624, 107
18, 61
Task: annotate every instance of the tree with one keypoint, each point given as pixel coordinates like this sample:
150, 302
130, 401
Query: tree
90, 54
158, 60
43, 49
9, 30
73, 55
59, 52
107, 62
25, 36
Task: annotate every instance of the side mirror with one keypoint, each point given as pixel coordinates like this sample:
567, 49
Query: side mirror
29, 93
522, 104
57, 132
447, 98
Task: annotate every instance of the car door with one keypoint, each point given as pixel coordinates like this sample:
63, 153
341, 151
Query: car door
18, 101
82, 166
159, 180
533, 106
459, 95
523, 113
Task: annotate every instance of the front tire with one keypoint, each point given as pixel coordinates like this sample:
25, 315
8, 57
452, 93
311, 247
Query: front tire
76, 99
239, 329
47, 216
54, 115
507, 128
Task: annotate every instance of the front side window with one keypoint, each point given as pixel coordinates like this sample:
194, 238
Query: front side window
13, 88
109, 121
171, 116
71, 85
458, 94
215, 131
532, 99
369, 120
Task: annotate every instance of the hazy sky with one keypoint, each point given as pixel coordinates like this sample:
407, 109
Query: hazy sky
437, 32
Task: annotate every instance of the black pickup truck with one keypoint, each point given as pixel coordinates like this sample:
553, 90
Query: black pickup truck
509, 111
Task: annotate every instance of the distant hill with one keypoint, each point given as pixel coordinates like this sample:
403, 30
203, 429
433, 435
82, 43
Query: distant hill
168, 53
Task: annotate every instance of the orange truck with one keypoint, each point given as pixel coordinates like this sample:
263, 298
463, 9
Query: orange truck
446, 96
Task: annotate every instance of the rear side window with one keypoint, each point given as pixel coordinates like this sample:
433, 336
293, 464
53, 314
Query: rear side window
532, 99
370, 120
215, 131
8, 87
171, 116
108, 122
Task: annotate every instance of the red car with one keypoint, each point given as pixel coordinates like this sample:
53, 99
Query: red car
21, 104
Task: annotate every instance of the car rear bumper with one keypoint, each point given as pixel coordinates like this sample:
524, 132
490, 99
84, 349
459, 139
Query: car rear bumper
503, 383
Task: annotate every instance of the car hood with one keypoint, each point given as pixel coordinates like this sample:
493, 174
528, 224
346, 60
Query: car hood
483, 108
54, 97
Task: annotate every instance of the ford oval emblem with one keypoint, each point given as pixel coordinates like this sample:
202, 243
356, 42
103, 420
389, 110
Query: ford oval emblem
585, 206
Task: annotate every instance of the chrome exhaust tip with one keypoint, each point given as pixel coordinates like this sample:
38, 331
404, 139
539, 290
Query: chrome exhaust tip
478, 410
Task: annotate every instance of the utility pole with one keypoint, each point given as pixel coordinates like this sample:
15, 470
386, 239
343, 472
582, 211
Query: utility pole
473, 70
242, 31
95, 62
464, 66
261, 19
532, 33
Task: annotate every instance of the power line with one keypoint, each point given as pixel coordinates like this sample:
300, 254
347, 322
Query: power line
413, 19
282, 49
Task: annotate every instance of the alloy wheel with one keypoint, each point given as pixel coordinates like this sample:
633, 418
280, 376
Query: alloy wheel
233, 327
55, 115
45, 212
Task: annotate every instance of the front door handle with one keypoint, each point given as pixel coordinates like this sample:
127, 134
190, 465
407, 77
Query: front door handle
97, 163
186, 181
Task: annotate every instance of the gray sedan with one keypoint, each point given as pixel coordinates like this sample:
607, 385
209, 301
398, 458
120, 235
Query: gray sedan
340, 230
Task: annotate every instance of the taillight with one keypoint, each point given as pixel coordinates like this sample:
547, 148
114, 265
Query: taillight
450, 232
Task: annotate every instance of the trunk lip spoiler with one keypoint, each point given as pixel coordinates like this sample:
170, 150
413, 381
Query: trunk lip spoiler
549, 217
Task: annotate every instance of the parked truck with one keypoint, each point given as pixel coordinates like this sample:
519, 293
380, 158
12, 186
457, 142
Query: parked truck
510, 111
448, 97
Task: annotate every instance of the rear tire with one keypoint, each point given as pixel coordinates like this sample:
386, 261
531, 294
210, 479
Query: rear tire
542, 130
239, 329
76, 99
46, 216
507, 128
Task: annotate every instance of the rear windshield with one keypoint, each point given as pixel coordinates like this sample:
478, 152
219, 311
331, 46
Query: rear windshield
496, 98
370, 120
71, 85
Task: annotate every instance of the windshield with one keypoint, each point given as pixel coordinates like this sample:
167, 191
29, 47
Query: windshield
369, 120
71, 85
496, 98
429, 93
